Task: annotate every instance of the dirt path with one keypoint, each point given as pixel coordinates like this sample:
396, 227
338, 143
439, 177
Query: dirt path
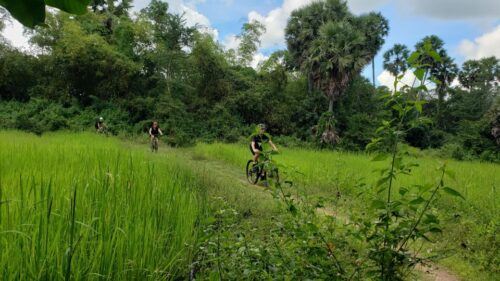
435, 273
235, 175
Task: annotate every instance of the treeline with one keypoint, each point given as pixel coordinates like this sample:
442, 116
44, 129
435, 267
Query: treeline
132, 69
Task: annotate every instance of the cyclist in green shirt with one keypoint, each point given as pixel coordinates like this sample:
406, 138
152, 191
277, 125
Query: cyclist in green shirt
259, 138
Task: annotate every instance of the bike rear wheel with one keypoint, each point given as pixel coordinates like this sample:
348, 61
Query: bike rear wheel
154, 145
253, 172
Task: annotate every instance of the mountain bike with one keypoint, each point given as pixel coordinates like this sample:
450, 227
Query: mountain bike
154, 144
103, 130
265, 169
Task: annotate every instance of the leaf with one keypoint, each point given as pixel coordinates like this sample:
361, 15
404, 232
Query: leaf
435, 230
430, 218
403, 191
27, 12
77, 7
418, 106
32, 12
453, 192
419, 73
413, 57
435, 55
398, 108
417, 201
381, 181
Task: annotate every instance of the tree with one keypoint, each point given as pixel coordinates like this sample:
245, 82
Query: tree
331, 45
32, 12
396, 59
481, 73
439, 66
250, 41
170, 30
17, 74
3, 18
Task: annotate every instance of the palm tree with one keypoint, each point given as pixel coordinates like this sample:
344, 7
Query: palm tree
439, 66
332, 45
396, 59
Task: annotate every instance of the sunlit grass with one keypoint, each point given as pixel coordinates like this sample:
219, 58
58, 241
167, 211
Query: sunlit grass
134, 218
469, 225
329, 171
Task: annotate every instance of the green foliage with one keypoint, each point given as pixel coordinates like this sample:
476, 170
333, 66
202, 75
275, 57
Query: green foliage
396, 59
32, 12
17, 74
95, 208
483, 73
331, 45
154, 67
407, 217
250, 41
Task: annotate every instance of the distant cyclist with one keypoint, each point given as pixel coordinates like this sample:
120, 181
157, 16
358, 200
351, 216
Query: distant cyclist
257, 139
154, 133
100, 127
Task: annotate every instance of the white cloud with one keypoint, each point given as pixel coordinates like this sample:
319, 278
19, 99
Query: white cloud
257, 59
387, 79
231, 41
275, 22
192, 16
13, 32
484, 46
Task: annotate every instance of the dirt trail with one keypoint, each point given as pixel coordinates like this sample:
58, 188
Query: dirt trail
430, 272
435, 273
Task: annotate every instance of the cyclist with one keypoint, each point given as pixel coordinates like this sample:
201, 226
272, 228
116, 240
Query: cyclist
154, 132
100, 127
257, 139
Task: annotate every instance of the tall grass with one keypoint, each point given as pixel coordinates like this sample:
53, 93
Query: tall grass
83, 207
328, 171
469, 242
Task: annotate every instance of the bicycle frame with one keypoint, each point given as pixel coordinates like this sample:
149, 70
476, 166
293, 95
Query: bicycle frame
266, 167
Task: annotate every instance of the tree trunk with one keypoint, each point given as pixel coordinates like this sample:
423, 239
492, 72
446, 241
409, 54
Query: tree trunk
439, 118
330, 106
332, 95
310, 83
373, 71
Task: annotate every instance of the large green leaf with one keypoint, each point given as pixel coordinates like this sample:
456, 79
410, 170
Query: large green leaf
77, 7
27, 12
32, 12
453, 192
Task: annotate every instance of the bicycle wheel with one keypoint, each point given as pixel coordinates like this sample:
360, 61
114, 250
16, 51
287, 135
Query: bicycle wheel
253, 172
154, 145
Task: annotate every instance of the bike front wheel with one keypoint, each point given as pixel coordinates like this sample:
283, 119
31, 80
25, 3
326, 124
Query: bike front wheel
253, 172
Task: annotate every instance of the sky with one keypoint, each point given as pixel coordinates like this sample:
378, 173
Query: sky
469, 28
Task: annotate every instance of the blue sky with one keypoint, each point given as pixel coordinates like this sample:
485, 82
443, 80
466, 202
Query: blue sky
470, 29
458, 22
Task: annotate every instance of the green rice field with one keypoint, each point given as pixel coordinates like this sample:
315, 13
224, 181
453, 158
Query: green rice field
81, 207
87, 207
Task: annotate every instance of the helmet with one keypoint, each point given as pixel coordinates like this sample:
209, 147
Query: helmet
262, 126
101, 119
